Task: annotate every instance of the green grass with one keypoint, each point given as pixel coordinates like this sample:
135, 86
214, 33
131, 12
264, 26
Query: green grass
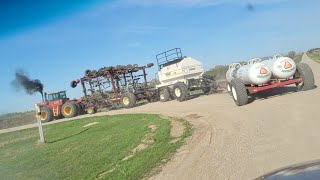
75, 152
298, 58
314, 55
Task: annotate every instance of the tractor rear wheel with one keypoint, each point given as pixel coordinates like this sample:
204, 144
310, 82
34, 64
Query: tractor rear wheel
239, 92
79, 108
69, 109
128, 100
305, 72
46, 114
164, 95
180, 91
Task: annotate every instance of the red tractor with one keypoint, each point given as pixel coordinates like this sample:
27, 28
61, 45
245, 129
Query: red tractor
55, 105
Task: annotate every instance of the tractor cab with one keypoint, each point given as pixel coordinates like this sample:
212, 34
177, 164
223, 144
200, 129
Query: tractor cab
57, 98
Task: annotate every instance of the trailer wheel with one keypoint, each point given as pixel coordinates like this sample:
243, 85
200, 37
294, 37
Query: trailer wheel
128, 100
305, 72
229, 89
239, 92
180, 91
164, 95
69, 110
46, 114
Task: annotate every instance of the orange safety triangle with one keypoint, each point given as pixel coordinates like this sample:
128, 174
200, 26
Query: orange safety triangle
287, 65
263, 70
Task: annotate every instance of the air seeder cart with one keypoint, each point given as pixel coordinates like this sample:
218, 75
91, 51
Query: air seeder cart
181, 77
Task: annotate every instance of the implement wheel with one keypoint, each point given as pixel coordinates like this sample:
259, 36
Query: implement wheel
91, 110
305, 72
239, 92
180, 91
69, 109
46, 114
73, 84
128, 100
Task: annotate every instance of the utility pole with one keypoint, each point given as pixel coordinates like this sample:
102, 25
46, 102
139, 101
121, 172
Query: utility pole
41, 134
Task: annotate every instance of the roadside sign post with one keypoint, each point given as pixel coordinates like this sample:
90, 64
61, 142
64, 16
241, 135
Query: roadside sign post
41, 134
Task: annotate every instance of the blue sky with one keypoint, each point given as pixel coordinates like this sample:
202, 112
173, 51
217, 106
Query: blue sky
56, 41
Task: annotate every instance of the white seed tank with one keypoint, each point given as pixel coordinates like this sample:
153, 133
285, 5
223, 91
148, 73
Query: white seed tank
180, 70
254, 72
281, 67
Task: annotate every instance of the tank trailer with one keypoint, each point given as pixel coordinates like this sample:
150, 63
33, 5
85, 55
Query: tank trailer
263, 74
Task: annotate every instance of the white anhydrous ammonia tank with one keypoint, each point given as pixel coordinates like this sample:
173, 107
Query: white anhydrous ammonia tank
255, 73
281, 67
231, 71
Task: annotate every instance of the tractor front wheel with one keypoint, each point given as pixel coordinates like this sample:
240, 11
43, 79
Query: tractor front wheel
69, 110
128, 100
46, 114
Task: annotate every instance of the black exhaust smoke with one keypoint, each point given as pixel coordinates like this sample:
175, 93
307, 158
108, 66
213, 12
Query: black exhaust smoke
22, 81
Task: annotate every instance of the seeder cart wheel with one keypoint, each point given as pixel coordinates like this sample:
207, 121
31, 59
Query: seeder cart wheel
180, 91
164, 95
